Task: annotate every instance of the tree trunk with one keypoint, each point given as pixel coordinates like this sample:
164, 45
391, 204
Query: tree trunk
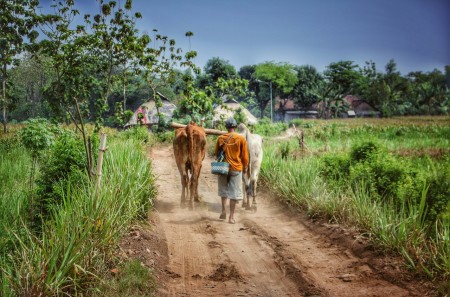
85, 140
124, 90
5, 122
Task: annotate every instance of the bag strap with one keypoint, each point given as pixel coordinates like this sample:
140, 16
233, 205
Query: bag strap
226, 140
220, 156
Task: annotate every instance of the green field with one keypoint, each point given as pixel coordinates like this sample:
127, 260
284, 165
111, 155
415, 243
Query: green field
388, 177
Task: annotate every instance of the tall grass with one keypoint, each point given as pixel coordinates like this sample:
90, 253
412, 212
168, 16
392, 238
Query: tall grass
66, 258
295, 177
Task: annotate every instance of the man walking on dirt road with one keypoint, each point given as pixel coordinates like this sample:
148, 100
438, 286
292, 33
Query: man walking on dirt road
235, 148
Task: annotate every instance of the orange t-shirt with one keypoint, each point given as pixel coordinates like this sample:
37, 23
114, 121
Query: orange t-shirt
236, 151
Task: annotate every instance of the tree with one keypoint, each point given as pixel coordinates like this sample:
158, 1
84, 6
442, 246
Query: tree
160, 67
282, 77
199, 104
117, 46
216, 68
17, 23
342, 75
429, 92
189, 34
307, 89
74, 69
30, 77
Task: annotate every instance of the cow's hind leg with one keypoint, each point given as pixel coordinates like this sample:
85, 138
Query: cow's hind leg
194, 185
184, 188
254, 206
244, 193
248, 193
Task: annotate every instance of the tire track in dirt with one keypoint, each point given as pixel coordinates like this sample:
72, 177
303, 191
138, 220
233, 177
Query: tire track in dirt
267, 253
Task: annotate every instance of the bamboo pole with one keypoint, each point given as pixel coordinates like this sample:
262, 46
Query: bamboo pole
207, 131
101, 151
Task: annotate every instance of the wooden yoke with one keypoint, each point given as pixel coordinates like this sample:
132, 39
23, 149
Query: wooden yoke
207, 131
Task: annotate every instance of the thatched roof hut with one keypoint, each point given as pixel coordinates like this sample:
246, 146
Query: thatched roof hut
150, 112
229, 108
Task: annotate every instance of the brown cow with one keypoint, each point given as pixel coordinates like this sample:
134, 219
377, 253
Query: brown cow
189, 148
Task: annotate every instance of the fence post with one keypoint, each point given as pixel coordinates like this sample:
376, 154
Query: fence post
101, 151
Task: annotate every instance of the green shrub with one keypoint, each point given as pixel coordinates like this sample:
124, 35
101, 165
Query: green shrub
65, 162
389, 179
285, 149
9, 143
365, 151
139, 133
166, 136
301, 123
438, 194
37, 136
335, 167
265, 128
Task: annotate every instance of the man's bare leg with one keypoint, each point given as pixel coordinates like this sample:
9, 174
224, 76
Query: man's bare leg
223, 215
232, 208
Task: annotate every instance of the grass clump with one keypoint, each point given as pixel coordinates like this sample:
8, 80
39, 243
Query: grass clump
71, 249
133, 280
401, 200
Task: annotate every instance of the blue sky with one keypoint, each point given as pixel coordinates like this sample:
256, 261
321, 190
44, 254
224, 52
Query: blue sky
415, 33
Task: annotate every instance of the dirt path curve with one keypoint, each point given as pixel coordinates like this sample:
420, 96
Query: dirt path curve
272, 252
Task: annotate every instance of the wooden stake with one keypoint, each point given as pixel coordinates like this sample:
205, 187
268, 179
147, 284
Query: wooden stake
101, 151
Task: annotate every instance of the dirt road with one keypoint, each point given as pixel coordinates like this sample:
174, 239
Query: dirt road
273, 252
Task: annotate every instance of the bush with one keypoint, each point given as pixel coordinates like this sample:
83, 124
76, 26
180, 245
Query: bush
438, 194
365, 151
265, 128
388, 179
66, 162
335, 167
139, 133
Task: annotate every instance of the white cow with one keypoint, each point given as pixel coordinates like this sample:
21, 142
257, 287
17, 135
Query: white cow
250, 176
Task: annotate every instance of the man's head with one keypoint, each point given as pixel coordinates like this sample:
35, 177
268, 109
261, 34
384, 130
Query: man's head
230, 123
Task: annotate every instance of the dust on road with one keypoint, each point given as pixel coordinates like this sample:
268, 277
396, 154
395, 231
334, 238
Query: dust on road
273, 252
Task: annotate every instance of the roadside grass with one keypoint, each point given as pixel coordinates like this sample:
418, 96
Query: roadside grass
295, 176
133, 280
73, 249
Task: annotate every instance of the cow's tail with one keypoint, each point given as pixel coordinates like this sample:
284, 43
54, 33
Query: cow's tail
247, 137
190, 139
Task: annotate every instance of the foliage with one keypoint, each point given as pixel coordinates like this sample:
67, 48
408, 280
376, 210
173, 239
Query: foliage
65, 163
389, 179
215, 69
17, 26
240, 116
14, 196
82, 231
307, 89
342, 75
279, 78
30, 78
265, 128
438, 194
369, 185
134, 279
160, 69
37, 136
137, 133
199, 104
